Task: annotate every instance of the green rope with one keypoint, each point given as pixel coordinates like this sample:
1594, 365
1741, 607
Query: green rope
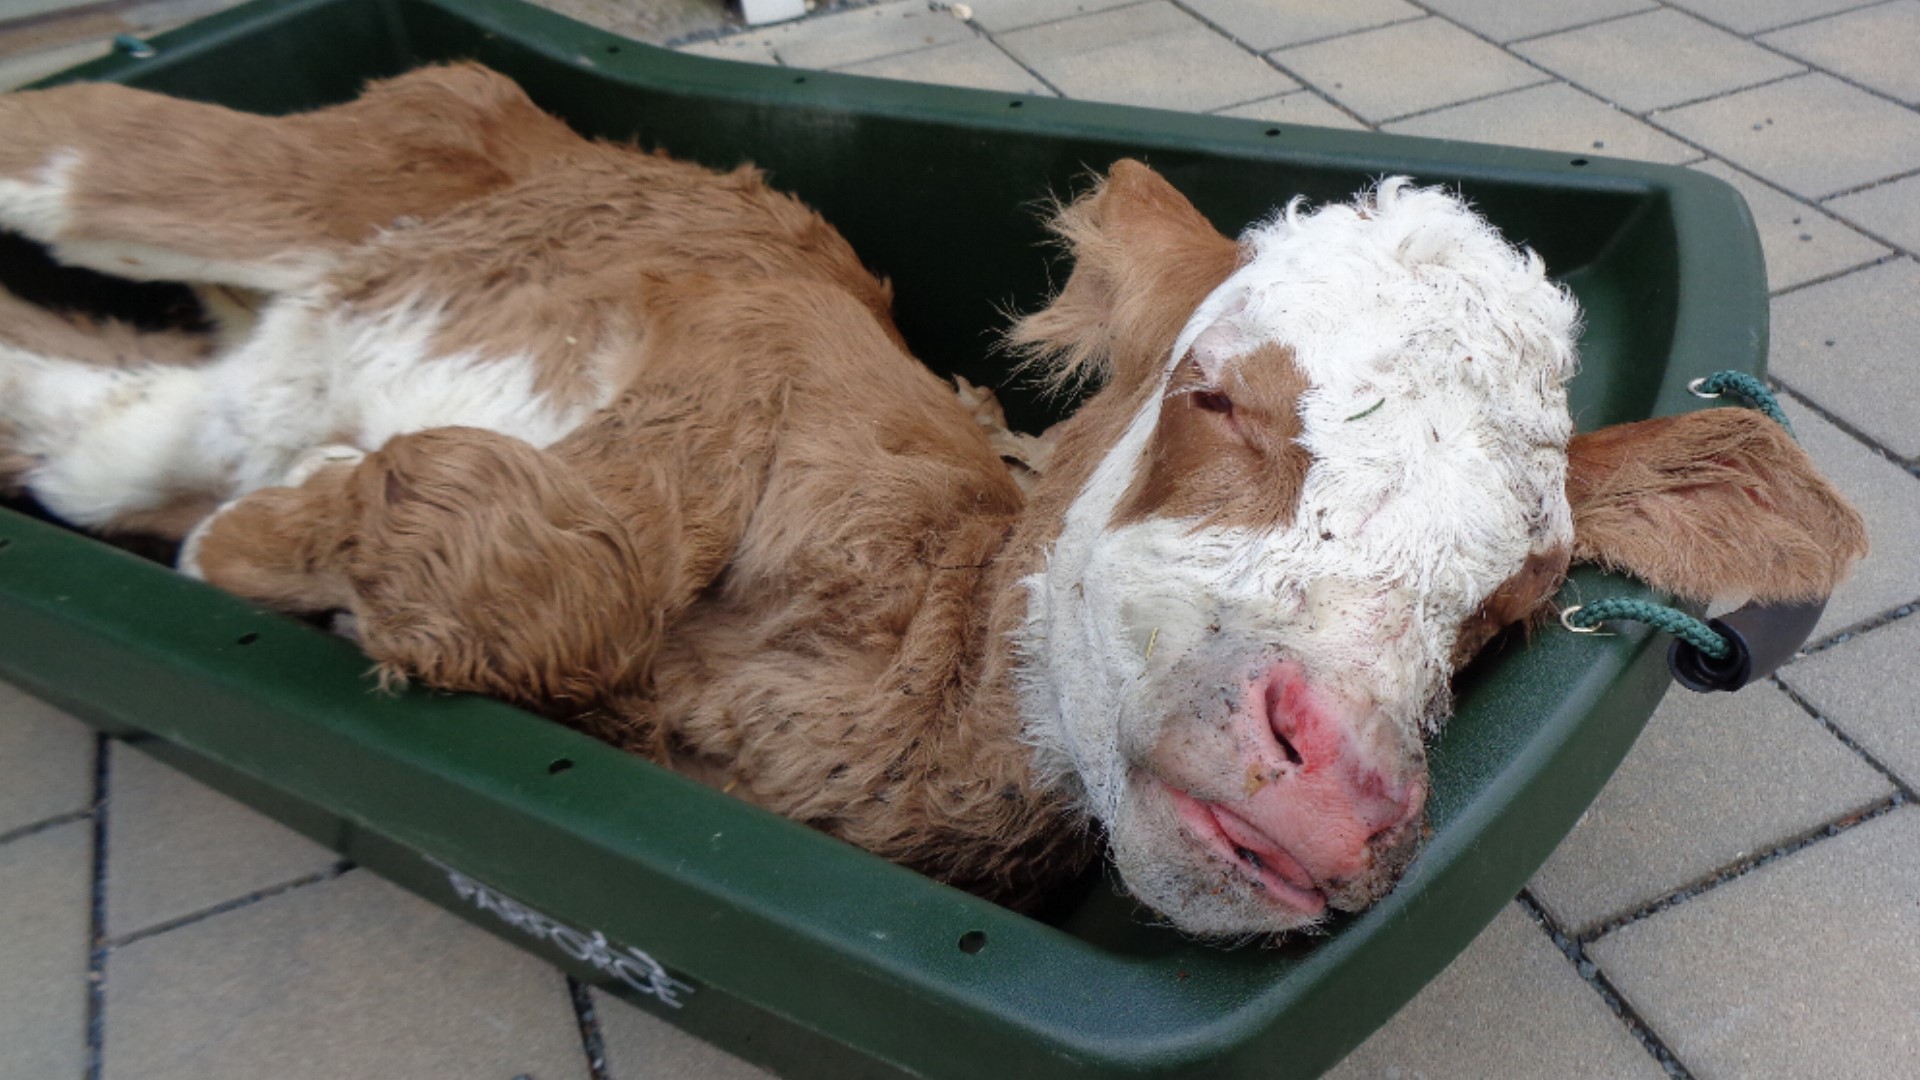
1588, 617
1747, 389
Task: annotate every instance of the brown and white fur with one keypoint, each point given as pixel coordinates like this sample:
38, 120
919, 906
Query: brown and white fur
636, 445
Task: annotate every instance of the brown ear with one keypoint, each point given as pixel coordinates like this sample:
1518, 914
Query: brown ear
1143, 259
1715, 503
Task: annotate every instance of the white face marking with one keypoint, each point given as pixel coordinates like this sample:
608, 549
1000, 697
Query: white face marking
1435, 415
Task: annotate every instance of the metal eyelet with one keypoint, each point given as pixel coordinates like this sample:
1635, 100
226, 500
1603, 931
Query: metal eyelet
1566, 620
1694, 389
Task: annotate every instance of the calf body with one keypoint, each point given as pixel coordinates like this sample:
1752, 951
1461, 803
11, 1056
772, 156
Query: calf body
636, 445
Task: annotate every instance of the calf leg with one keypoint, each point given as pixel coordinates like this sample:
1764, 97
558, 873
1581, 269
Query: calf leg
474, 561
102, 423
132, 183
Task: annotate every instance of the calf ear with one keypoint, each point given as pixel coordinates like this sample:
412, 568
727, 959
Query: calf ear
1715, 503
1143, 259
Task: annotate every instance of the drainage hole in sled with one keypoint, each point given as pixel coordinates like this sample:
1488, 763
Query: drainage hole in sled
798, 79
973, 941
248, 638
1013, 104
1271, 132
1579, 162
558, 766
613, 50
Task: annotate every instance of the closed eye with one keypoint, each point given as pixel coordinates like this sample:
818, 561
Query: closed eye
1212, 401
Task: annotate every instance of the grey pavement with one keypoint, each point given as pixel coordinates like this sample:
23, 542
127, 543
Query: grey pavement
1743, 900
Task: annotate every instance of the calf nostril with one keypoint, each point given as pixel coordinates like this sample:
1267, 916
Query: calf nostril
1279, 711
1287, 748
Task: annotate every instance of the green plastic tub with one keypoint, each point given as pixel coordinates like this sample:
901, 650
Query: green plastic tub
784, 946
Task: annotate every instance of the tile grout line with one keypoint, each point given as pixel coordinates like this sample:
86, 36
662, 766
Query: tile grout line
1267, 59
145, 932
1912, 468
1703, 99
1740, 868
97, 917
1891, 256
1551, 76
43, 825
1589, 972
76, 12
1022, 28
1753, 39
1494, 96
1818, 207
1303, 42
994, 40
1602, 21
1868, 186
1864, 626
1864, 5
1647, 116
592, 1041
1904, 791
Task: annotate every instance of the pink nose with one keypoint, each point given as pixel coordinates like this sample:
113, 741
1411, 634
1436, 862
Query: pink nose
1324, 777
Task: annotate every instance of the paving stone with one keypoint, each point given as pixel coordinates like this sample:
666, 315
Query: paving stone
46, 890
1270, 24
1874, 47
1101, 30
1300, 107
1753, 16
655, 21
1800, 241
176, 846
1888, 497
1713, 780
1550, 117
641, 1046
20, 9
864, 34
18, 71
1150, 54
46, 761
1865, 686
998, 15
1803, 968
349, 977
1790, 133
747, 48
978, 63
1509, 1006
1848, 344
1504, 20
1406, 68
1655, 60
1890, 210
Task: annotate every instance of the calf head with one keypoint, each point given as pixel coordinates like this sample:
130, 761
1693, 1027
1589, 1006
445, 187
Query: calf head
1329, 463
